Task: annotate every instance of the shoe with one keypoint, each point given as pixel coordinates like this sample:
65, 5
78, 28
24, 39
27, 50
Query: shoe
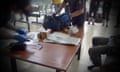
91, 67
89, 20
93, 21
105, 23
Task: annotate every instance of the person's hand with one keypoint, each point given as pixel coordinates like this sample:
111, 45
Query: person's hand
21, 38
55, 14
21, 31
64, 17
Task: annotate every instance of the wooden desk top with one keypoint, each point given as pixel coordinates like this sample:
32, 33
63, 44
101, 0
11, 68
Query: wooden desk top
51, 55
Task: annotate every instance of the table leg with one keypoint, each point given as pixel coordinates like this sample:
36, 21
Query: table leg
28, 23
79, 53
14, 23
13, 65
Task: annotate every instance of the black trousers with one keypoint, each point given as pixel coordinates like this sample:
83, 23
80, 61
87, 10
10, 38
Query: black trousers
94, 4
106, 9
100, 47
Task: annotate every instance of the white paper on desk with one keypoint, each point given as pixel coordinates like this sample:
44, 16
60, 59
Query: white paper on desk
34, 42
59, 34
33, 35
62, 38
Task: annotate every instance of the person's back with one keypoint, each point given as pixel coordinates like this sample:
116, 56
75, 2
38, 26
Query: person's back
75, 5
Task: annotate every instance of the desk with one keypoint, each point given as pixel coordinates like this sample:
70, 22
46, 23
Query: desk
56, 56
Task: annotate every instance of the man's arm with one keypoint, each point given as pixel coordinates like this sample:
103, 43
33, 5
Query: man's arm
61, 7
80, 8
77, 12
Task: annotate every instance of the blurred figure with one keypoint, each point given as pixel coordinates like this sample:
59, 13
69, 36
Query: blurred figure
77, 11
14, 7
107, 4
109, 46
94, 4
8, 33
56, 4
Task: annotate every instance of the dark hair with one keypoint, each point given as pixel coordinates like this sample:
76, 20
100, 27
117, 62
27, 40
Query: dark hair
7, 6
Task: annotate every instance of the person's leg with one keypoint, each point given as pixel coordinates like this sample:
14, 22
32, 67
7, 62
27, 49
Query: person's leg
95, 55
99, 41
117, 10
103, 14
96, 6
81, 21
106, 11
95, 61
118, 19
91, 10
108, 14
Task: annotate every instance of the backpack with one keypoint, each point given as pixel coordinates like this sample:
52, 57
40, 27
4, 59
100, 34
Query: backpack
55, 23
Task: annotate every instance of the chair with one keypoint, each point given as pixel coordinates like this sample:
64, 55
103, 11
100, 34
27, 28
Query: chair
34, 12
23, 21
97, 41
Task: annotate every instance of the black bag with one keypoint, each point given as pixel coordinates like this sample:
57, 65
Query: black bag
19, 46
55, 23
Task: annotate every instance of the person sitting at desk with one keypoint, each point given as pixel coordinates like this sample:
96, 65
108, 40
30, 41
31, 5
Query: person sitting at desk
7, 9
12, 7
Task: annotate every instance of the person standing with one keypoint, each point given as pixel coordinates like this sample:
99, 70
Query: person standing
77, 11
94, 4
